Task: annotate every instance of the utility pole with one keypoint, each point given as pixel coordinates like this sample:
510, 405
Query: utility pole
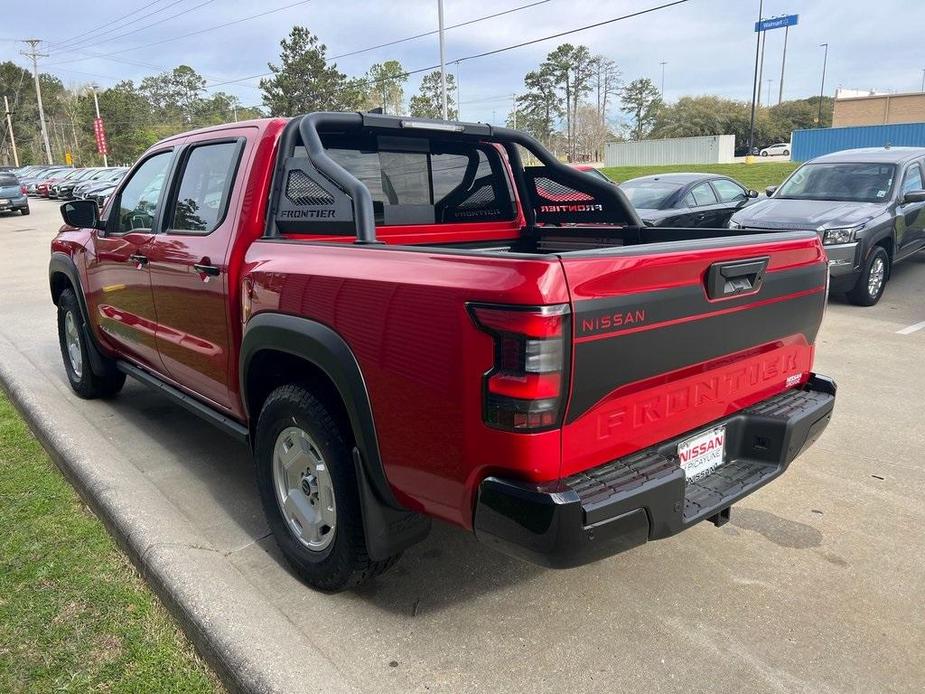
923, 79
514, 107
442, 66
663, 64
35, 55
825, 59
9, 124
783, 64
770, 82
96, 105
751, 124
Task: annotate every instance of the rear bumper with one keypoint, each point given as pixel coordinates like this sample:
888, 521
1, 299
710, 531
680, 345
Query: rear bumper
624, 503
17, 203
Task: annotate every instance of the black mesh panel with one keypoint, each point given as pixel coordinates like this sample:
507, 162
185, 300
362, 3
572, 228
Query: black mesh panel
303, 191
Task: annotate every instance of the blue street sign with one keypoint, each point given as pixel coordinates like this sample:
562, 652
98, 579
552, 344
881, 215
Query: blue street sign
777, 22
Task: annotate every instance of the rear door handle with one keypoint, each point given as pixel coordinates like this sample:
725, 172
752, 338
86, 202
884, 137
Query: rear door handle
138, 259
735, 277
210, 270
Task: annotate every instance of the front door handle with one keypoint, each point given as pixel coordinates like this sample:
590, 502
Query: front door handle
210, 270
138, 259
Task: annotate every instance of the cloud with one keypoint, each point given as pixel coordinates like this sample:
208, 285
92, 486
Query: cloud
708, 45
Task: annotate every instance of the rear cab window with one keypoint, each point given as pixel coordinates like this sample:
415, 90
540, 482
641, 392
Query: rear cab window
414, 181
200, 201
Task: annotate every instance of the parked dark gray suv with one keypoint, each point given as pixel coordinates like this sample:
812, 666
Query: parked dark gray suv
868, 206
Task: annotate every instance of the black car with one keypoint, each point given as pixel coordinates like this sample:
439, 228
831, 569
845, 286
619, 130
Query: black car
867, 205
687, 199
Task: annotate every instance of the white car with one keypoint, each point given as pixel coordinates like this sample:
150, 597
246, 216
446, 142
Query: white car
780, 149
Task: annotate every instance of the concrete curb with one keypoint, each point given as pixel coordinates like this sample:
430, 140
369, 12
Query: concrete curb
252, 645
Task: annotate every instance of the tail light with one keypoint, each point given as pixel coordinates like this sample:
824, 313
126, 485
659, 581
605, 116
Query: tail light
525, 389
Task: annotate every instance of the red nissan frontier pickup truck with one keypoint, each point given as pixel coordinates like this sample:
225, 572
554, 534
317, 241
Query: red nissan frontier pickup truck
406, 322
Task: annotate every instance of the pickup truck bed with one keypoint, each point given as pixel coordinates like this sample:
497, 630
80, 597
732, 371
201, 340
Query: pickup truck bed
427, 328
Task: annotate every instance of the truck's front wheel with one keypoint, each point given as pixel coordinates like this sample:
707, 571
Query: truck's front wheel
871, 283
73, 340
309, 491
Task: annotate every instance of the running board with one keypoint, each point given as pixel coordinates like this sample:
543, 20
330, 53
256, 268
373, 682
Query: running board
226, 424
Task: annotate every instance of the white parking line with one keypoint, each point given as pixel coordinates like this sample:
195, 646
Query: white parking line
909, 329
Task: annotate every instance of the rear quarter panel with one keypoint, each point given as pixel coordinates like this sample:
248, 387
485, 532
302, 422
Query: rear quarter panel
403, 313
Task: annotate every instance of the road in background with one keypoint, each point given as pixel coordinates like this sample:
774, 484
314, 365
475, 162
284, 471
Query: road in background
815, 585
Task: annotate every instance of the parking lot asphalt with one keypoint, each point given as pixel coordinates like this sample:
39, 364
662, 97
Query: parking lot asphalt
816, 584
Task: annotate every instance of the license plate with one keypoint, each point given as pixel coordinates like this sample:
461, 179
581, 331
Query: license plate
702, 454
4, 201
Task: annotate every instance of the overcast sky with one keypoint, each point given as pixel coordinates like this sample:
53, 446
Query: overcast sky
708, 45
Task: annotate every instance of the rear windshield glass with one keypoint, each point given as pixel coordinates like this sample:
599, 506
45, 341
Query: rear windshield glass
865, 182
8, 180
650, 195
444, 183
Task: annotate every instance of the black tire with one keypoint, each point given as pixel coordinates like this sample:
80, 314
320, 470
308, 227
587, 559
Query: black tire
861, 294
343, 563
80, 375
24, 211
764, 154
786, 152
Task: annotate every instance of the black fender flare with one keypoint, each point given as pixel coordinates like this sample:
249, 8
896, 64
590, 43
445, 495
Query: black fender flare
62, 264
321, 346
390, 528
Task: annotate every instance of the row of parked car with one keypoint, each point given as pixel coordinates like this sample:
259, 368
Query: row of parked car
95, 183
867, 205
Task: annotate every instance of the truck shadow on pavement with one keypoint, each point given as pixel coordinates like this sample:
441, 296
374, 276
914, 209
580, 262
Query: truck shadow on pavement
209, 477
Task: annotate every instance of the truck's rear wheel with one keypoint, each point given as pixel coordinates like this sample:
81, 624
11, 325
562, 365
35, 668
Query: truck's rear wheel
309, 491
871, 283
73, 340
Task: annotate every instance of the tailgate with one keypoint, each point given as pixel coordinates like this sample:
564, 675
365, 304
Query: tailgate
669, 337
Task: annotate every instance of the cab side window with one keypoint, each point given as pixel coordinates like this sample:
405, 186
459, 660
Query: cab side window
139, 199
913, 179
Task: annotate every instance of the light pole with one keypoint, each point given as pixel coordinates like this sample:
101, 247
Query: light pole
442, 66
825, 59
783, 64
96, 105
923, 79
751, 123
663, 64
770, 82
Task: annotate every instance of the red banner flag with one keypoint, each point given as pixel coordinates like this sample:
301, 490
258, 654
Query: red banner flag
100, 133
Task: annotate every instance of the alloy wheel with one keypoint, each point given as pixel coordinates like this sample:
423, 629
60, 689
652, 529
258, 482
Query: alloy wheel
304, 489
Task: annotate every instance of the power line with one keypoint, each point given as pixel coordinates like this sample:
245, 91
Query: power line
491, 52
572, 31
107, 56
103, 25
146, 27
203, 31
435, 31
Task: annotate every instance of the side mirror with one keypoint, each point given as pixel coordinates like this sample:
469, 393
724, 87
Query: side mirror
752, 193
769, 191
82, 214
914, 196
